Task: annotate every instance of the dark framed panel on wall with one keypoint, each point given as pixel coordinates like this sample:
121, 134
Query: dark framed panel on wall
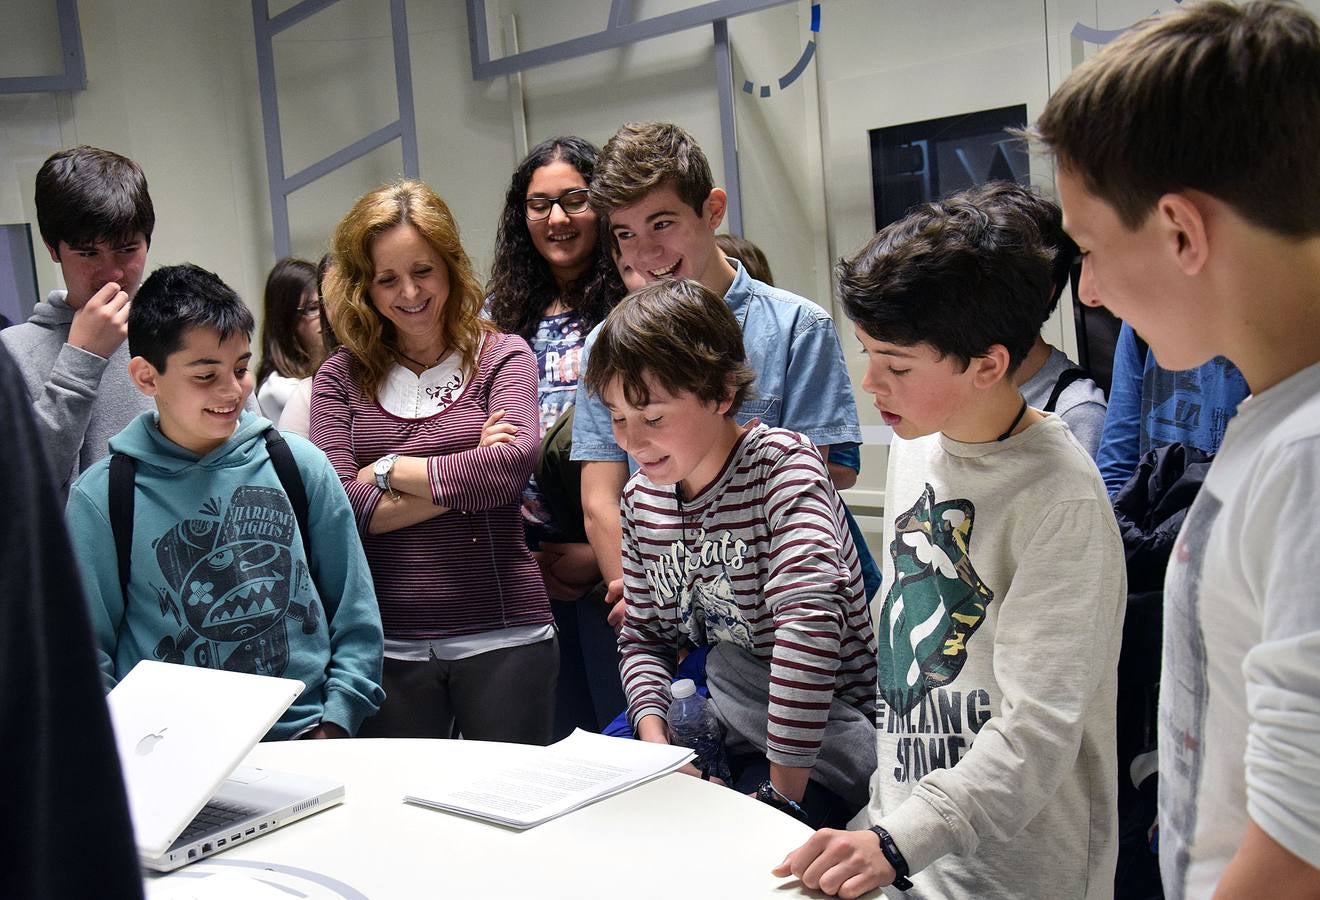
921, 161
18, 274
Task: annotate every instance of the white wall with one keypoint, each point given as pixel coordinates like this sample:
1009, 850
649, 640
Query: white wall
886, 62
169, 84
173, 84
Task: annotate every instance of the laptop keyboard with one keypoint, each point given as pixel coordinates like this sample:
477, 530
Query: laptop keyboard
213, 817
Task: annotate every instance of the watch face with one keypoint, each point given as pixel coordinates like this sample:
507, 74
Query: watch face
383, 465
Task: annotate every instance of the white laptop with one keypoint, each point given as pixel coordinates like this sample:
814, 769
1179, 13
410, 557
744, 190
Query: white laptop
181, 732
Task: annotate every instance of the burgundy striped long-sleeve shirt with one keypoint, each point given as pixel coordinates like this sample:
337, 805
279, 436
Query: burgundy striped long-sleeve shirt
468, 570
763, 558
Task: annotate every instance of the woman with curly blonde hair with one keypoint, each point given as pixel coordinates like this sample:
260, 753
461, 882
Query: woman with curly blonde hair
430, 418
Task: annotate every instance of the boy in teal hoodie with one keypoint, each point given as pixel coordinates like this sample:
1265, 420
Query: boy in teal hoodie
217, 572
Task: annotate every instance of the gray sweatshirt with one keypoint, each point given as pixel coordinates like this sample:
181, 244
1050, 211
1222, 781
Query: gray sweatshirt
80, 400
1081, 404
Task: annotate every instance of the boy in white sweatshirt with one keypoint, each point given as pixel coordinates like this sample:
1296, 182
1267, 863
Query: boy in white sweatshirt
1000, 629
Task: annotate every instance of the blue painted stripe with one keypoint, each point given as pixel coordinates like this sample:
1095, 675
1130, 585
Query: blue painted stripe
803, 61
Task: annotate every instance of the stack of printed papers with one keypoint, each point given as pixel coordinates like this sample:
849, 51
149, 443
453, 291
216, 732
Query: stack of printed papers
548, 782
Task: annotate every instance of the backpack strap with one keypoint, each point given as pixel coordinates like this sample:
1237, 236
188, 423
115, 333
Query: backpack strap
286, 469
1066, 378
123, 485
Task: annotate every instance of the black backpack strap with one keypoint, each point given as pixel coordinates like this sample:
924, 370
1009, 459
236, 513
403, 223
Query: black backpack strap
1066, 378
123, 485
286, 469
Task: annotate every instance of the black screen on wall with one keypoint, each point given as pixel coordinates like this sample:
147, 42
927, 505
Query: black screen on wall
926, 160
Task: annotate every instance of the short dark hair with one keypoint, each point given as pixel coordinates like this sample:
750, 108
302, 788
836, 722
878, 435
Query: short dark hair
85, 195
952, 276
1210, 97
1032, 211
175, 299
680, 333
644, 156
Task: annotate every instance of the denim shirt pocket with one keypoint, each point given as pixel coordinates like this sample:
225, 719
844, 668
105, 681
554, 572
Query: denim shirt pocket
767, 409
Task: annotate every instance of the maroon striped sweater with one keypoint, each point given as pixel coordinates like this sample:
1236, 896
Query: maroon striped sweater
763, 558
468, 570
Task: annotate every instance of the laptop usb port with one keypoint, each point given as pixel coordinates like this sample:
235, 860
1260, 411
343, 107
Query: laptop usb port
250, 831
220, 843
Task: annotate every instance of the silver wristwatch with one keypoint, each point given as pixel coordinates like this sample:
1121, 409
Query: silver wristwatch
382, 470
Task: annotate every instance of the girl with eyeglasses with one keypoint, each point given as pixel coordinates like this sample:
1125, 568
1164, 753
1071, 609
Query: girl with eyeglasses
553, 279
291, 347
297, 415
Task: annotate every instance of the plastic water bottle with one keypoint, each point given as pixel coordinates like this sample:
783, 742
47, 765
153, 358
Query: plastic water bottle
692, 724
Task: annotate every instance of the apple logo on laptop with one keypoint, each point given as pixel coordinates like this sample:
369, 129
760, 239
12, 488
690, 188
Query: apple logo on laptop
149, 742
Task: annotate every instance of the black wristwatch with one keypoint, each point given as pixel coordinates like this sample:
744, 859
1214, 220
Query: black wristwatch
766, 792
894, 857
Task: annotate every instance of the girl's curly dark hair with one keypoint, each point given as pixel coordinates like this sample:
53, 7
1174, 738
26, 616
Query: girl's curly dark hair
521, 285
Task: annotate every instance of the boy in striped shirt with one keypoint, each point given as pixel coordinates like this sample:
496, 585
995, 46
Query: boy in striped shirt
734, 539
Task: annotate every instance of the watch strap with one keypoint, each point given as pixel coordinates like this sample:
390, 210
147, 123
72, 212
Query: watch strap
894, 857
767, 793
385, 463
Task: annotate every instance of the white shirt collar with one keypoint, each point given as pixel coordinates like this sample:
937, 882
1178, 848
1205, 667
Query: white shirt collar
411, 396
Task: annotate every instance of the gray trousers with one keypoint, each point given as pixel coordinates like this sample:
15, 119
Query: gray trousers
739, 685
503, 695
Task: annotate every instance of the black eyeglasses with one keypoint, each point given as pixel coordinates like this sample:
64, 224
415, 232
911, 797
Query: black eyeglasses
571, 202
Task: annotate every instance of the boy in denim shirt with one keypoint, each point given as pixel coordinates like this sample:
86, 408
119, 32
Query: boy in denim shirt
654, 184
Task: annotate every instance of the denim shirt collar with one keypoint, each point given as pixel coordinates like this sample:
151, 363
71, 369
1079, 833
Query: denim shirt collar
739, 293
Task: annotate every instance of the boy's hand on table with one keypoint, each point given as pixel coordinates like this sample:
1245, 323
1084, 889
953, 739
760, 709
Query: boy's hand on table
839, 863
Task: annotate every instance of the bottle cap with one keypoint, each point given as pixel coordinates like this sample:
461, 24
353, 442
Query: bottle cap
684, 687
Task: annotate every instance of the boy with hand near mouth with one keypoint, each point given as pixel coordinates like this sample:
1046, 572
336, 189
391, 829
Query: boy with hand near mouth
1001, 625
654, 186
221, 572
735, 539
96, 219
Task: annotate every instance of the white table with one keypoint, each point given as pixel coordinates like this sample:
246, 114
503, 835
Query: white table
675, 838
